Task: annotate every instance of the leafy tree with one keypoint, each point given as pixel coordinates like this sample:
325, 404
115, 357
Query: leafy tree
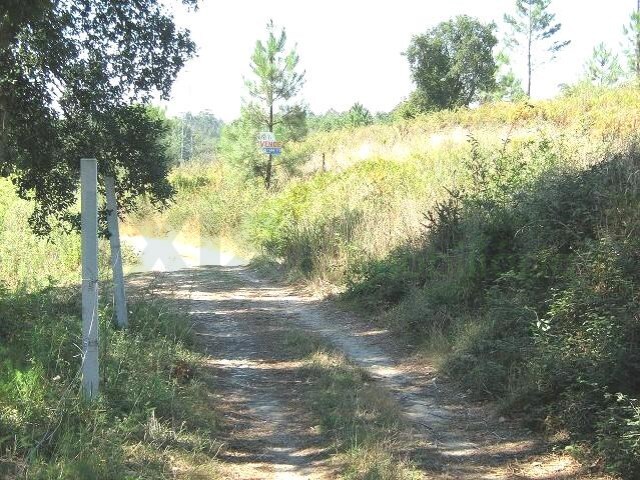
452, 64
417, 104
132, 145
356, 116
532, 26
632, 32
508, 86
383, 118
238, 145
275, 82
75, 66
325, 122
603, 68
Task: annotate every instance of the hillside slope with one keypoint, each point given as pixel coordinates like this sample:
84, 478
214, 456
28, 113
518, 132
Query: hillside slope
504, 238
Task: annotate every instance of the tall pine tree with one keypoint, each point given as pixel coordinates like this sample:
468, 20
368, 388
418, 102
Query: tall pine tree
533, 28
275, 82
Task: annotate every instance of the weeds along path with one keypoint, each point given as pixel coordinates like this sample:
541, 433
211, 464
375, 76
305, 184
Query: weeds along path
242, 320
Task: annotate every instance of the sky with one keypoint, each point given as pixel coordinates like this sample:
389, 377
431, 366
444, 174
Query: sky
351, 50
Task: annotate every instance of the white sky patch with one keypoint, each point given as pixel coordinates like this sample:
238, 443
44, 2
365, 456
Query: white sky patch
351, 50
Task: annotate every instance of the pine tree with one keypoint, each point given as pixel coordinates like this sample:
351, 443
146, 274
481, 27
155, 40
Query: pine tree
603, 68
632, 32
275, 81
533, 26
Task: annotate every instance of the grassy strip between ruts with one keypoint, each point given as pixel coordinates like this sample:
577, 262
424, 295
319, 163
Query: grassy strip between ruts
153, 419
362, 419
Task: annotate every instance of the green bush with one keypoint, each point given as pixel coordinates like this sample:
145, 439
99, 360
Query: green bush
532, 272
619, 433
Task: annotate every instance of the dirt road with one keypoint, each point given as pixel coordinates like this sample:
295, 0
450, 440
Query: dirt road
241, 321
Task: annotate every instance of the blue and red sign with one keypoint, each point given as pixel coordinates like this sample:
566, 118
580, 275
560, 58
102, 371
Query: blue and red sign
268, 144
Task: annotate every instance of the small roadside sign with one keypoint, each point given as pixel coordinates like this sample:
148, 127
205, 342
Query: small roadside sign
267, 142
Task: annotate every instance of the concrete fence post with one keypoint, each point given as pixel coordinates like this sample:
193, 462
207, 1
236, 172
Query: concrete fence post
90, 326
120, 298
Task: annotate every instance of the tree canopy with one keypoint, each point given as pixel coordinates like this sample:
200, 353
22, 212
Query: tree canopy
194, 137
357, 116
508, 86
75, 66
453, 63
632, 47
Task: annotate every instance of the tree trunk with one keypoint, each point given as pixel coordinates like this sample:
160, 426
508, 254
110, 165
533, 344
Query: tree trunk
267, 176
5, 42
4, 133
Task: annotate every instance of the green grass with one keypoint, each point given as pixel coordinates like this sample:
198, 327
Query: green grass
27, 261
154, 412
155, 417
361, 418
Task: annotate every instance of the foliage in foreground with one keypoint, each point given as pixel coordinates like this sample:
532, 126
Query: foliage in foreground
155, 418
152, 420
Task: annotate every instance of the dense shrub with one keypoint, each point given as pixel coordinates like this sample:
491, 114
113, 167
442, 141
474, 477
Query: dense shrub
539, 266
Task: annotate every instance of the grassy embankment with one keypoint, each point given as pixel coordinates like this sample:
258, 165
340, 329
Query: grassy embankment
154, 418
517, 261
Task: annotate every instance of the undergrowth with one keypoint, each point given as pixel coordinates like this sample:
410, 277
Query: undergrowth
531, 274
152, 420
